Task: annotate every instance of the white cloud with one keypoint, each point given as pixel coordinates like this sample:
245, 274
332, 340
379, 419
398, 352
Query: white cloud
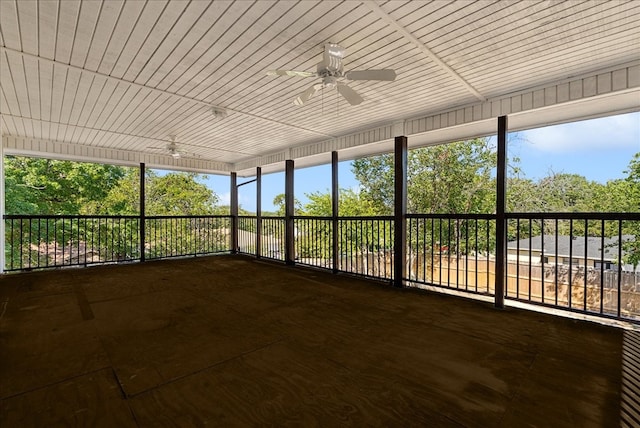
225, 198
615, 132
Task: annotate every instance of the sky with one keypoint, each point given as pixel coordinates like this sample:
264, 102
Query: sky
598, 149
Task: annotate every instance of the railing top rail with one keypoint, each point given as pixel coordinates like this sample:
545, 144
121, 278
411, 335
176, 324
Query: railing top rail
531, 215
539, 215
83, 216
162, 217
454, 216
65, 216
576, 216
312, 217
368, 217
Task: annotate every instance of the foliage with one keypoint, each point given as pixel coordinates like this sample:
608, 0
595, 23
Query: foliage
176, 193
449, 178
44, 186
632, 195
179, 194
454, 178
350, 204
565, 193
314, 240
280, 203
375, 175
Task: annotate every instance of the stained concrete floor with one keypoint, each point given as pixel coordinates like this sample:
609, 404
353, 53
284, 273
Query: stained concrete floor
232, 341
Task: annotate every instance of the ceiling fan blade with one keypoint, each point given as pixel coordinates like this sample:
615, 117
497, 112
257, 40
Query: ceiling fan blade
387, 74
350, 95
307, 94
291, 73
332, 57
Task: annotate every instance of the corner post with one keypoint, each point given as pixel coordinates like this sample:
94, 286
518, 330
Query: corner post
143, 227
400, 211
289, 250
335, 197
234, 213
258, 212
501, 206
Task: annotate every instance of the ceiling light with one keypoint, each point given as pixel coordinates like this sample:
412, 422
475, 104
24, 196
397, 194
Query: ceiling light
218, 113
335, 50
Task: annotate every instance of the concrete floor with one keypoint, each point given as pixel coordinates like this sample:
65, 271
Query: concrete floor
231, 341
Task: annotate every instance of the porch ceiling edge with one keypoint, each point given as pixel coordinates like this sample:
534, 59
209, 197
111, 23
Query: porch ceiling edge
84, 153
605, 92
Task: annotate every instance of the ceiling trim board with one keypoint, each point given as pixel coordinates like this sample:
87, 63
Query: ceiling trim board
377, 10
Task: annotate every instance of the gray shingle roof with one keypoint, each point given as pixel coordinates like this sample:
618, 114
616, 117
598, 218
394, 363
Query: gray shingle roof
593, 244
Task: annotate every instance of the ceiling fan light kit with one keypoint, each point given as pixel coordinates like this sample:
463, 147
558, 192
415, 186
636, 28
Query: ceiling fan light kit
171, 149
331, 71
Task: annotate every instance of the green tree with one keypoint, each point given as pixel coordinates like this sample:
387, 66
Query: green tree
350, 203
37, 186
355, 236
279, 202
449, 178
172, 194
633, 181
180, 193
454, 178
45, 186
175, 193
631, 192
560, 192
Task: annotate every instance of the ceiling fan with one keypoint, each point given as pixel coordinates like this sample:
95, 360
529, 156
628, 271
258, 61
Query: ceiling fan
330, 70
171, 148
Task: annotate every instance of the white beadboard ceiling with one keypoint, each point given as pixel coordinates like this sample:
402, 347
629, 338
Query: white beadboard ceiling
108, 80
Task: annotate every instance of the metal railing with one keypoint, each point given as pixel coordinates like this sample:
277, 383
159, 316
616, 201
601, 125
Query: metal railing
273, 238
365, 246
580, 262
314, 241
452, 251
47, 241
52, 241
179, 236
248, 235
270, 239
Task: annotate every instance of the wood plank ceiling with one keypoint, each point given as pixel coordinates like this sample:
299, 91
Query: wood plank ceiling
127, 75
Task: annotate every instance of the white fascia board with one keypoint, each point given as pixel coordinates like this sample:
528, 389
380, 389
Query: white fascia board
615, 90
83, 153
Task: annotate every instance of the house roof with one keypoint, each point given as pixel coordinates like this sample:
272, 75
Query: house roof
577, 246
109, 80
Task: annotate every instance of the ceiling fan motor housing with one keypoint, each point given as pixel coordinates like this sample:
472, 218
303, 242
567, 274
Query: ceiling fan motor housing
329, 82
324, 71
331, 71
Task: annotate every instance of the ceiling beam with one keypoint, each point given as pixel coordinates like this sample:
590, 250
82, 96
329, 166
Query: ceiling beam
160, 91
377, 10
